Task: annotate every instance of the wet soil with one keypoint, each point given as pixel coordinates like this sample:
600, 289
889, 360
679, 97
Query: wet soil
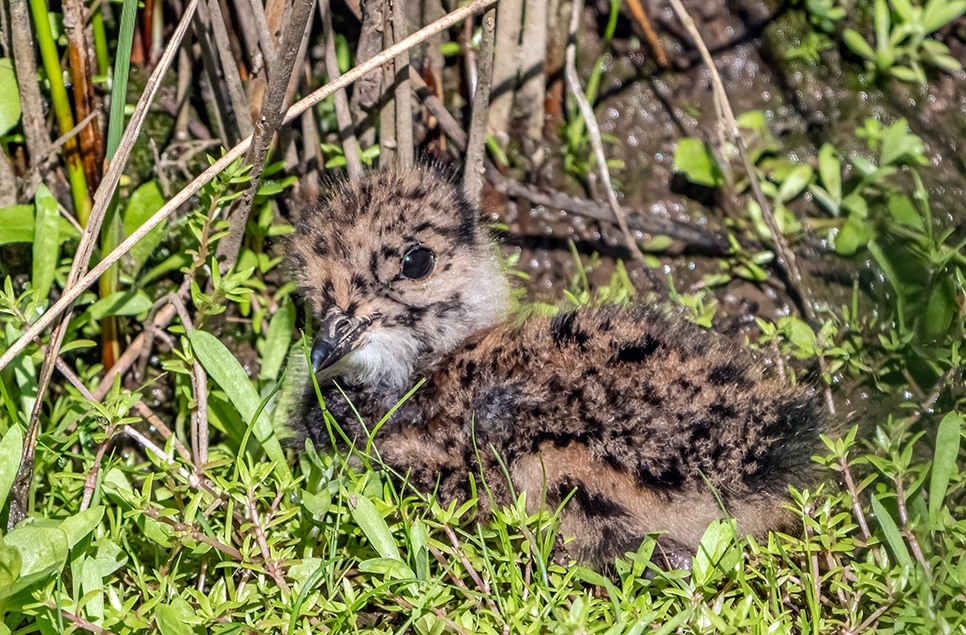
648, 109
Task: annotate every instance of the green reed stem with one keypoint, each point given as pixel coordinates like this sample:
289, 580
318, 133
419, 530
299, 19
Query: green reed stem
62, 110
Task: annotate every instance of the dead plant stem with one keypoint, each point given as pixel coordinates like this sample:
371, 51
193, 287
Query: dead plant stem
476, 146
346, 129
570, 71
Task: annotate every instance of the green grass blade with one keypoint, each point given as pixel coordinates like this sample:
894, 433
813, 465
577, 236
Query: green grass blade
62, 109
228, 372
943, 464
122, 68
374, 526
46, 247
11, 446
891, 531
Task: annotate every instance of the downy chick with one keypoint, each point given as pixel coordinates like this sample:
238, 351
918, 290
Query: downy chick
636, 414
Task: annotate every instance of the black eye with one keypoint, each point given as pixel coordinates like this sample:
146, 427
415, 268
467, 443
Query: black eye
418, 263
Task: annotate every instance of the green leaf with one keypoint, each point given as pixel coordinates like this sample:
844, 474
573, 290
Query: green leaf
144, 202
120, 303
43, 551
17, 224
11, 449
941, 305
374, 526
799, 333
694, 159
76, 344
943, 464
175, 618
79, 525
709, 561
10, 565
172, 263
855, 204
939, 13
9, 97
891, 531
830, 170
898, 145
855, 233
795, 182
46, 250
275, 346
317, 504
855, 41
904, 212
387, 566
229, 374
824, 198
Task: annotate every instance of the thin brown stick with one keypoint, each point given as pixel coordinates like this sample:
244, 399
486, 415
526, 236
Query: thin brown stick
532, 94
79, 621
387, 114
90, 481
480, 584
91, 142
641, 16
264, 37
365, 92
31, 103
863, 627
190, 189
906, 530
199, 383
854, 493
187, 528
476, 145
641, 221
210, 80
8, 182
268, 122
182, 111
236, 92
270, 565
506, 67
346, 130
786, 257
570, 72
813, 559
161, 427
404, 103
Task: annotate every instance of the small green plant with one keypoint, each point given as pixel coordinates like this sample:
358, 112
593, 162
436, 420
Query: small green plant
901, 44
578, 160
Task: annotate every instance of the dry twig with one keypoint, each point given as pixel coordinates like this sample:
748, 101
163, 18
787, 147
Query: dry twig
641, 16
239, 103
346, 130
268, 122
570, 71
270, 565
476, 146
404, 102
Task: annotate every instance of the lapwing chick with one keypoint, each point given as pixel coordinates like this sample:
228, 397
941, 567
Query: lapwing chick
640, 421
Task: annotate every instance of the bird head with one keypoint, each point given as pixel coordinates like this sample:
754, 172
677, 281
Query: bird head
397, 272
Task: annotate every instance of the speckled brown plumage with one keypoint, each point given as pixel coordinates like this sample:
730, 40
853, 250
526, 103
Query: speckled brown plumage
632, 411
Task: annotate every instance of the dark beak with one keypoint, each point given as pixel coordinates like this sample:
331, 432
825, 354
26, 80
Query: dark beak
339, 335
